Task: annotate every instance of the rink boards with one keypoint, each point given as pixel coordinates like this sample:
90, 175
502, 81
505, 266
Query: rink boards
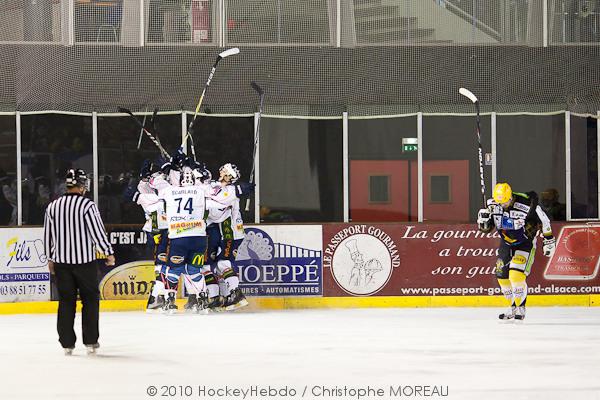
330, 265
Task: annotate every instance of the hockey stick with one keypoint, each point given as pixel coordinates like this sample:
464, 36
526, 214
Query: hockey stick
221, 55
152, 120
142, 131
468, 94
154, 139
261, 94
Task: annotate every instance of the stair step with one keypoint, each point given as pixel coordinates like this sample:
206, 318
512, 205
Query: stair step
398, 35
383, 11
387, 22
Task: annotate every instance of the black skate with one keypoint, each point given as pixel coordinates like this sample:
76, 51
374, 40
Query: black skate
155, 304
509, 315
192, 304
216, 303
92, 349
170, 307
235, 300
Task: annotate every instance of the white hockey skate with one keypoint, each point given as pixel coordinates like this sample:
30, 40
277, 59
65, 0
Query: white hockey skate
510, 314
520, 313
92, 349
69, 351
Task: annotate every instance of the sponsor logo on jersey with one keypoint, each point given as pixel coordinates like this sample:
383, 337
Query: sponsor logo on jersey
521, 206
517, 214
198, 260
180, 227
519, 259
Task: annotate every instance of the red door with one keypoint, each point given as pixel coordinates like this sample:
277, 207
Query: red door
381, 191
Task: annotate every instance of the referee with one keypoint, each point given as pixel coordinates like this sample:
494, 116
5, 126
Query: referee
73, 232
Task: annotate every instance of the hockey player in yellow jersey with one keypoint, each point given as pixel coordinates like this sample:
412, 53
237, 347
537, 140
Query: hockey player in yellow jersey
518, 219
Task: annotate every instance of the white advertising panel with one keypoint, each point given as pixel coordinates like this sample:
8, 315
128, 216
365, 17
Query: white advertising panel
24, 272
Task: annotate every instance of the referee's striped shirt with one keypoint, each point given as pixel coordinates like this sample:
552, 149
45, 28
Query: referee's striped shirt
73, 230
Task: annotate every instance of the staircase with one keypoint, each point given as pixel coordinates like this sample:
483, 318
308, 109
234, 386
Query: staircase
377, 23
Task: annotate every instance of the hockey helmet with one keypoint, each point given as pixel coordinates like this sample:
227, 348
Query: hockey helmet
231, 170
187, 177
502, 193
77, 177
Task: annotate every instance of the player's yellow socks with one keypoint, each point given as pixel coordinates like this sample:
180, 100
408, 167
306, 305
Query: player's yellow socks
506, 288
519, 286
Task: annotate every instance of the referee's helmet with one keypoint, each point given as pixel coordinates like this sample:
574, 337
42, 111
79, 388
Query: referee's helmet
77, 177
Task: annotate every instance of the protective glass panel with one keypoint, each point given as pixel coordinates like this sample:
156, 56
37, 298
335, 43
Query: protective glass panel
531, 154
301, 170
8, 171
574, 21
30, 21
451, 149
50, 145
98, 21
279, 21
584, 170
226, 140
120, 160
447, 21
187, 21
375, 148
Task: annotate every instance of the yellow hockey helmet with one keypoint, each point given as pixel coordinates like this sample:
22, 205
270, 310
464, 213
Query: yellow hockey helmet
502, 193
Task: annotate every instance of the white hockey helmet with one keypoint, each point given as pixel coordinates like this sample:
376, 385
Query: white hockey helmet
231, 170
187, 177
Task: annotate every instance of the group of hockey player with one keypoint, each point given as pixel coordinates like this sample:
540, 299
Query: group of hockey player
196, 226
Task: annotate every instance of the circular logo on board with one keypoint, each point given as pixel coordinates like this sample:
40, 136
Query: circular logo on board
583, 241
361, 265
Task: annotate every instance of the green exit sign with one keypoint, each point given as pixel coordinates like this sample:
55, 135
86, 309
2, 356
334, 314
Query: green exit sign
408, 148
409, 145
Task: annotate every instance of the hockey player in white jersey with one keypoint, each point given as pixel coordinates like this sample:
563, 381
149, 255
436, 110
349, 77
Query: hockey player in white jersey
156, 230
226, 230
185, 208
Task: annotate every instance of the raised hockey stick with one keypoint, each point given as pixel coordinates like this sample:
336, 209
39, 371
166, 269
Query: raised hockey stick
221, 55
154, 139
261, 94
468, 94
142, 131
152, 121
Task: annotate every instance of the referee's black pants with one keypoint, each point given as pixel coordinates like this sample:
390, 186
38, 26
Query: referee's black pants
70, 278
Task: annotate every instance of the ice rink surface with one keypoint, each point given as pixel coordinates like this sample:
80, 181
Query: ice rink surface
553, 354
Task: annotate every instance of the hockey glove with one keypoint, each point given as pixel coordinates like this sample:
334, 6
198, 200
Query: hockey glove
146, 170
244, 189
163, 165
484, 220
179, 159
131, 194
549, 246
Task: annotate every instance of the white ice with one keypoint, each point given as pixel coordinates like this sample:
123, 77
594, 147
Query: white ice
554, 354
